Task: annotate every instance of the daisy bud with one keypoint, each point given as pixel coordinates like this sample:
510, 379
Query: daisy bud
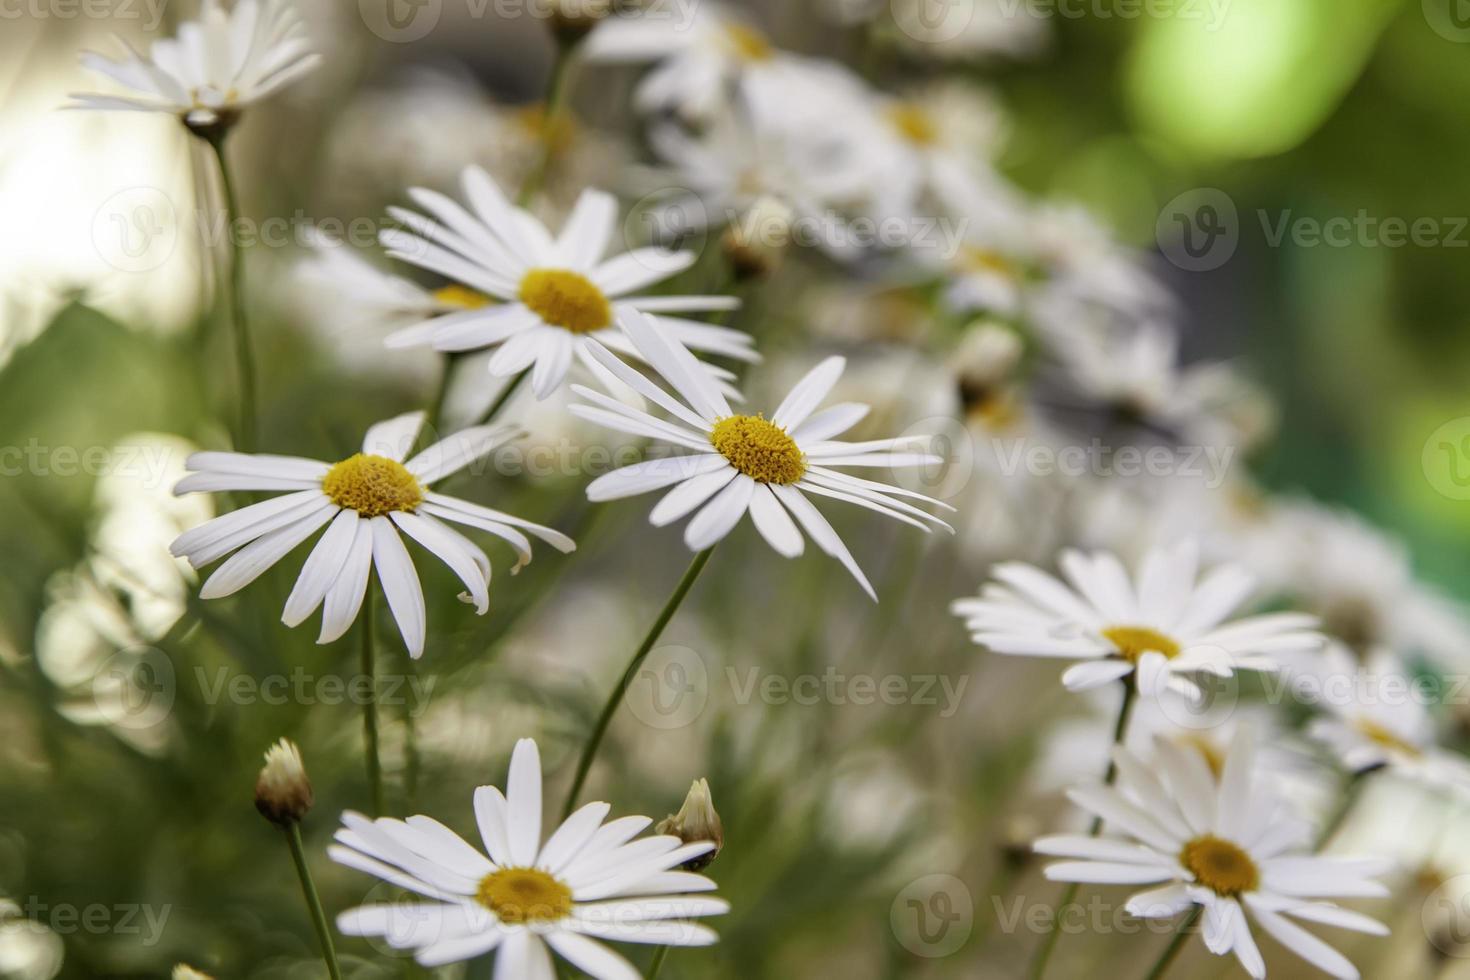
756, 243
572, 20
186, 972
984, 364
696, 822
283, 793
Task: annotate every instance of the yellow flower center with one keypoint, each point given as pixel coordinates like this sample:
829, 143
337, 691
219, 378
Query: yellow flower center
748, 43
556, 131
1209, 751
1220, 866
462, 297
521, 895
913, 124
1385, 737
761, 450
372, 485
1134, 641
566, 299
974, 259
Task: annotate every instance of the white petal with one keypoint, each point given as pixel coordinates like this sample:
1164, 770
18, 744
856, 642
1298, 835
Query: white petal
720, 515
808, 393
247, 564
394, 437
321, 568
774, 524
452, 454
591, 957
523, 799
400, 584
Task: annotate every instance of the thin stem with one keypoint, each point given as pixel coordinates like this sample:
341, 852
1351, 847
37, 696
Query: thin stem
1120, 733
1350, 794
313, 903
370, 705
555, 86
659, 955
503, 397
436, 407
244, 357
616, 698
1171, 952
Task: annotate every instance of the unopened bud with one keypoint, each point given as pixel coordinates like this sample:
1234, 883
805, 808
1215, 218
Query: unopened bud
756, 243
186, 972
696, 822
283, 793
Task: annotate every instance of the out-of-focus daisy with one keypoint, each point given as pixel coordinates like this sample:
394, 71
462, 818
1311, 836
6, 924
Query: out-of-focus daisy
1167, 624
739, 464
555, 293
1228, 845
963, 31
1378, 717
704, 58
364, 501
214, 67
587, 881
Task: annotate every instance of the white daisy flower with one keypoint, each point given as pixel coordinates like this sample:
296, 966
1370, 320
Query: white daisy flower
364, 501
1165, 625
740, 464
1379, 718
556, 293
705, 60
214, 67
588, 881
1227, 845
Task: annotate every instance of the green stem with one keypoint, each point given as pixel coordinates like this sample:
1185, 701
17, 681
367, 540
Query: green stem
657, 964
504, 396
616, 698
370, 705
313, 903
1171, 952
436, 408
1120, 733
1350, 794
244, 358
555, 86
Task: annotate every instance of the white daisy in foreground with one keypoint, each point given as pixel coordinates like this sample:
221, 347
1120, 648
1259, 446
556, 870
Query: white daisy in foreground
1166, 626
741, 464
590, 880
214, 67
364, 501
556, 292
1227, 845
1379, 718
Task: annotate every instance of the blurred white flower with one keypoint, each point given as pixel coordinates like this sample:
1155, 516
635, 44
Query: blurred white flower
365, 501
739, 464
215, 67
1161, 627
1227, 844
589, 881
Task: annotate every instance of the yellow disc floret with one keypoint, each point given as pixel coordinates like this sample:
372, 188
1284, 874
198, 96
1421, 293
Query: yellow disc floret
566, 299
747, 43
761, 450
913, 124
372, 485
1134, 641
521, 895
462, 297
1386, 737
1220, 866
